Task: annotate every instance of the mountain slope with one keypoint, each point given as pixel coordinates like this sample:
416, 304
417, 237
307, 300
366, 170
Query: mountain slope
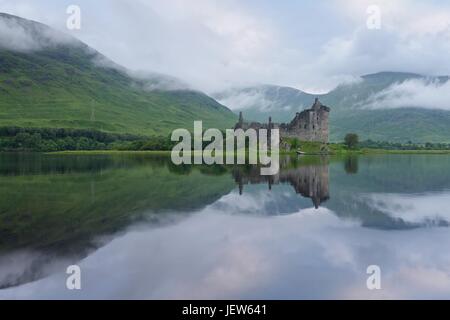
261, 102
49, 79
351, 111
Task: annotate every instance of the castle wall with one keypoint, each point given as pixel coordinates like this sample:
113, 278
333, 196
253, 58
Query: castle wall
309, 125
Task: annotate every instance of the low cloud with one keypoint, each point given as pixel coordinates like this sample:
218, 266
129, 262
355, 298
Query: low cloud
17, 36
251, 99
151, 81
14, 36
214, 45
417, 93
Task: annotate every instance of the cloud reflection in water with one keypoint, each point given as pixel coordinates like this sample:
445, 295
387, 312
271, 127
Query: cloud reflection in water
214, 254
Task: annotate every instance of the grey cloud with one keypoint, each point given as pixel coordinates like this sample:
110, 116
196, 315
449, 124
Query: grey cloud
246, 99
214, 45
151, 81
420, 93
16, 36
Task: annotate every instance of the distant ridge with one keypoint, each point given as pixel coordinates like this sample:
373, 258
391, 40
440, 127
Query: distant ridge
348, 102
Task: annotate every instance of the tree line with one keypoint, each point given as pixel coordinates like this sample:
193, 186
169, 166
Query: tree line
63, 139
59, 139
403, 146
352, 142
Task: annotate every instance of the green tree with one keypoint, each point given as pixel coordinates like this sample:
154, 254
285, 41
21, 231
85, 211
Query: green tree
295, 144
351, 140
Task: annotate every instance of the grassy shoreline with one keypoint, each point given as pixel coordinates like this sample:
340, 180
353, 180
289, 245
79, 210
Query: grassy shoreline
384, 151
100, 152
331, 153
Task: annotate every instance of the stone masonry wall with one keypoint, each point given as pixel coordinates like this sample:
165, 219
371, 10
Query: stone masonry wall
308, 125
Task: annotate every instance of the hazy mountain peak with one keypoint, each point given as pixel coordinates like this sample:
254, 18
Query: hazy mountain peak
58, 81
261, 101
390, 106
386, 74
19, 34
22, 35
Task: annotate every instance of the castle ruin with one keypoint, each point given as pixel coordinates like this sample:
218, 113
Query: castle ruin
308, 125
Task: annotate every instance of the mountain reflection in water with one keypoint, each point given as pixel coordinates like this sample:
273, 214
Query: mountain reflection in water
322, 215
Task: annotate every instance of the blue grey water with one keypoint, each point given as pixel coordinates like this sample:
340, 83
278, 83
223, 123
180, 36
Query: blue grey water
144, 229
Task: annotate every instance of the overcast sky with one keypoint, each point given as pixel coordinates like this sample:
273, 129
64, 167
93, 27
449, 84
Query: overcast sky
213, 44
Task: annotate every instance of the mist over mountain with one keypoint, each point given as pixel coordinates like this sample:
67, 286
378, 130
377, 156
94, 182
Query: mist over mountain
264, 101
49, 79
389, 106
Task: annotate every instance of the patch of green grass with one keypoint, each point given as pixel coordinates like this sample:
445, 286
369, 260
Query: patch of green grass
396, 125
383, 151
108, 152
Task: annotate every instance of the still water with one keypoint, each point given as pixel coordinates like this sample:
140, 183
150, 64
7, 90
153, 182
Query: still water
142, 228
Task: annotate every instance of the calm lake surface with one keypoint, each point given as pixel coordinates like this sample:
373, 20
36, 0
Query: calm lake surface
142, 228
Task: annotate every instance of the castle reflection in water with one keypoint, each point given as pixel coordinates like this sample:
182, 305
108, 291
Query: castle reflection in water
309, 180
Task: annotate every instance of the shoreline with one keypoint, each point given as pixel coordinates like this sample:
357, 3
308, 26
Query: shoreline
339, 153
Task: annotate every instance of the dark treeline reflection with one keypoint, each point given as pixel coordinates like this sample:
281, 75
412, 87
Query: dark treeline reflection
16, 164
351, 164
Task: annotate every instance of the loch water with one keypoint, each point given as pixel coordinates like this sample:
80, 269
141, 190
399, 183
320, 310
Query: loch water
140, 227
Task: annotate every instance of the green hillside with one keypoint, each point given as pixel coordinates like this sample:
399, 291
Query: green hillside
63, 85
396, 125
348, 112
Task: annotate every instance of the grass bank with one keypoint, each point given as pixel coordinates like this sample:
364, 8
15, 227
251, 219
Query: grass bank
100, 152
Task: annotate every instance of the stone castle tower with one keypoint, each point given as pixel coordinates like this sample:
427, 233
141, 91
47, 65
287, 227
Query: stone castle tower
308, 125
